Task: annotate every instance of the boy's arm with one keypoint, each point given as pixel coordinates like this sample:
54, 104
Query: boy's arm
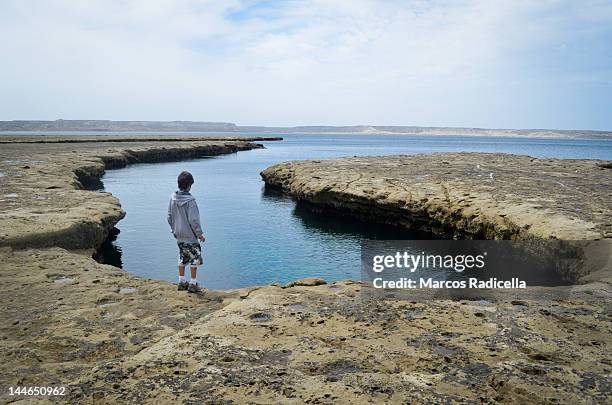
193, 216
170, 213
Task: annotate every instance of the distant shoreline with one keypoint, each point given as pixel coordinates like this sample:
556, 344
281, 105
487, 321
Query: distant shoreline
94, 127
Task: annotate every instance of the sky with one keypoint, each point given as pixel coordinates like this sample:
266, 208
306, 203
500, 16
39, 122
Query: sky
470, 63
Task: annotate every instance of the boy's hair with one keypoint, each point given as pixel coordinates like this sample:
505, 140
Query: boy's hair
185, 180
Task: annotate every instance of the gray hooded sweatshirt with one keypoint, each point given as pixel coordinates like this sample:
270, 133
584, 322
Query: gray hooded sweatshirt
184, 217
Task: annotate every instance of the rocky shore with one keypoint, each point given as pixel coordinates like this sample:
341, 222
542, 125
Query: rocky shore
460, 195
49, 191
110, 337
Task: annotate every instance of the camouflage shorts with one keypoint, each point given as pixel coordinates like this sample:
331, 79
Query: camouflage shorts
190, 254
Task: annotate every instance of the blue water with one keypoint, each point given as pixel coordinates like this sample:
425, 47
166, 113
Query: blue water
257, 237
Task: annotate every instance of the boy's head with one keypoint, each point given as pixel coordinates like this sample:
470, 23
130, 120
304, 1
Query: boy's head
185, 180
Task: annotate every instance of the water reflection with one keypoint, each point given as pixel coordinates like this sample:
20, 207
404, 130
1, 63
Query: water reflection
345, 226
338, 225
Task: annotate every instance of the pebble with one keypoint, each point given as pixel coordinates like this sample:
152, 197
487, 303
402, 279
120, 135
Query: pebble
65, 280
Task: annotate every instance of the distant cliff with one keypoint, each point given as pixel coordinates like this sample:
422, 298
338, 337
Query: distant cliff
414, 130
198, 126
123, 126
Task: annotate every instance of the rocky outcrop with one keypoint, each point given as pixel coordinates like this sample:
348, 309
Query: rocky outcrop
459, 195
48, 194
306, 282
110, 337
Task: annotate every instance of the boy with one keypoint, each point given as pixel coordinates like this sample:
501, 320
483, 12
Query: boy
184, 220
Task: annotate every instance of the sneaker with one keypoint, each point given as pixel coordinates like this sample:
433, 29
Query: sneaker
183, 286
194, 288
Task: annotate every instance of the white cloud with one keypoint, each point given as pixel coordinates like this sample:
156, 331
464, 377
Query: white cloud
472, 63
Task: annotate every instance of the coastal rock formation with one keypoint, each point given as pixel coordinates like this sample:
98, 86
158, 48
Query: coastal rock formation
306, 282
110, 337
460, 195
48, 193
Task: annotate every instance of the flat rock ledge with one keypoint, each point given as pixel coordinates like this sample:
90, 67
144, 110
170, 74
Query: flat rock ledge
49, 191
460, 195
110, 337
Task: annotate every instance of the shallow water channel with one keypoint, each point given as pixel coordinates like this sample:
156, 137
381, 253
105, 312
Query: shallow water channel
255, 236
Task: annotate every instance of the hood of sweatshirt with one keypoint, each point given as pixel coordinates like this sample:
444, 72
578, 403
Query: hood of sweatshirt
182, 197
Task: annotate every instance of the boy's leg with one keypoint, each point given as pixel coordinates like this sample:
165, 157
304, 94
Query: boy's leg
194, 287
181, 262
182, 284
196, 260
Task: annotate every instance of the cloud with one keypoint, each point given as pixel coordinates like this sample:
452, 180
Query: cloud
469, 63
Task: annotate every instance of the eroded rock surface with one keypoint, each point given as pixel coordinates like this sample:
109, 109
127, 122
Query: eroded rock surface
44, 197
110, 337
301, 344
473, 195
